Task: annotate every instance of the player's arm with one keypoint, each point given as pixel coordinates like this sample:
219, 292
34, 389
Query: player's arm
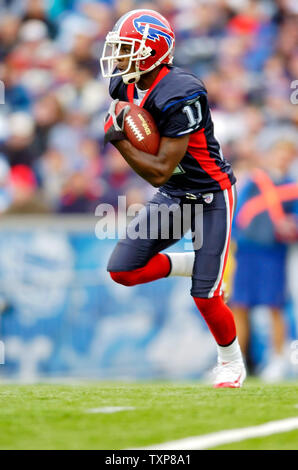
176, 126
156, 169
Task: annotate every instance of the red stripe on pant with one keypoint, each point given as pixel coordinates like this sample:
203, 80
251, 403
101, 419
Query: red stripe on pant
216, 313
226, 253
157, 267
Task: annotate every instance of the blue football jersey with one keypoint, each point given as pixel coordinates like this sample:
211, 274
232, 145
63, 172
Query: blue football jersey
179, 105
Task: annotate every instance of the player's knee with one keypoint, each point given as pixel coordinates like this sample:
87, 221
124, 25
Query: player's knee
122, 277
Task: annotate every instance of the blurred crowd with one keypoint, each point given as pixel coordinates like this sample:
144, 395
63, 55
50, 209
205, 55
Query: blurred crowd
52, 157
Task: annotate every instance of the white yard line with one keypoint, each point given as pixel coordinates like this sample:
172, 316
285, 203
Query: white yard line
110, 409
215, 439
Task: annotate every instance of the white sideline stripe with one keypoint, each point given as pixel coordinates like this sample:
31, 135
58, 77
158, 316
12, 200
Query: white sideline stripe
215, 439
110, 409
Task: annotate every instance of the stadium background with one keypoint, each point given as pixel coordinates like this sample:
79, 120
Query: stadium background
61, 314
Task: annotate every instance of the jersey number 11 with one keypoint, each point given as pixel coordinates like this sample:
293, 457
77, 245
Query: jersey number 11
189, 111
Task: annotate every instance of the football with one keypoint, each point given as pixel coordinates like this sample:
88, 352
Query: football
140, 128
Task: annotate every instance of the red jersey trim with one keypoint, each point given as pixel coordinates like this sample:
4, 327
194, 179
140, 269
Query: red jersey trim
131, 87
198, 149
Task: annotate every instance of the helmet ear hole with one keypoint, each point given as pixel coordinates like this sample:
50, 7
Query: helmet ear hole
153, 53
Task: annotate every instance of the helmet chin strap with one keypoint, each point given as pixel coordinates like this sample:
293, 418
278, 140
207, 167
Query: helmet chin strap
133, 77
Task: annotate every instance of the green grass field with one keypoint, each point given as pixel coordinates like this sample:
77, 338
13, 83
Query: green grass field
50, 416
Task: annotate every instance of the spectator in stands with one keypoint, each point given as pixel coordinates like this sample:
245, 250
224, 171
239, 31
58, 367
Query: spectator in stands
18, 147
25, 197
9, 29
49, 60
17, 97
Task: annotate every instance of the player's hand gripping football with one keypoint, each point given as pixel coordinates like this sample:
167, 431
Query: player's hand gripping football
114, 124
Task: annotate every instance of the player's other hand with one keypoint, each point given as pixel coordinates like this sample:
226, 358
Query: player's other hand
114, 124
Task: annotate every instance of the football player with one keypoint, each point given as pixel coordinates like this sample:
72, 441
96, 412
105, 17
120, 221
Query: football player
189, 168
